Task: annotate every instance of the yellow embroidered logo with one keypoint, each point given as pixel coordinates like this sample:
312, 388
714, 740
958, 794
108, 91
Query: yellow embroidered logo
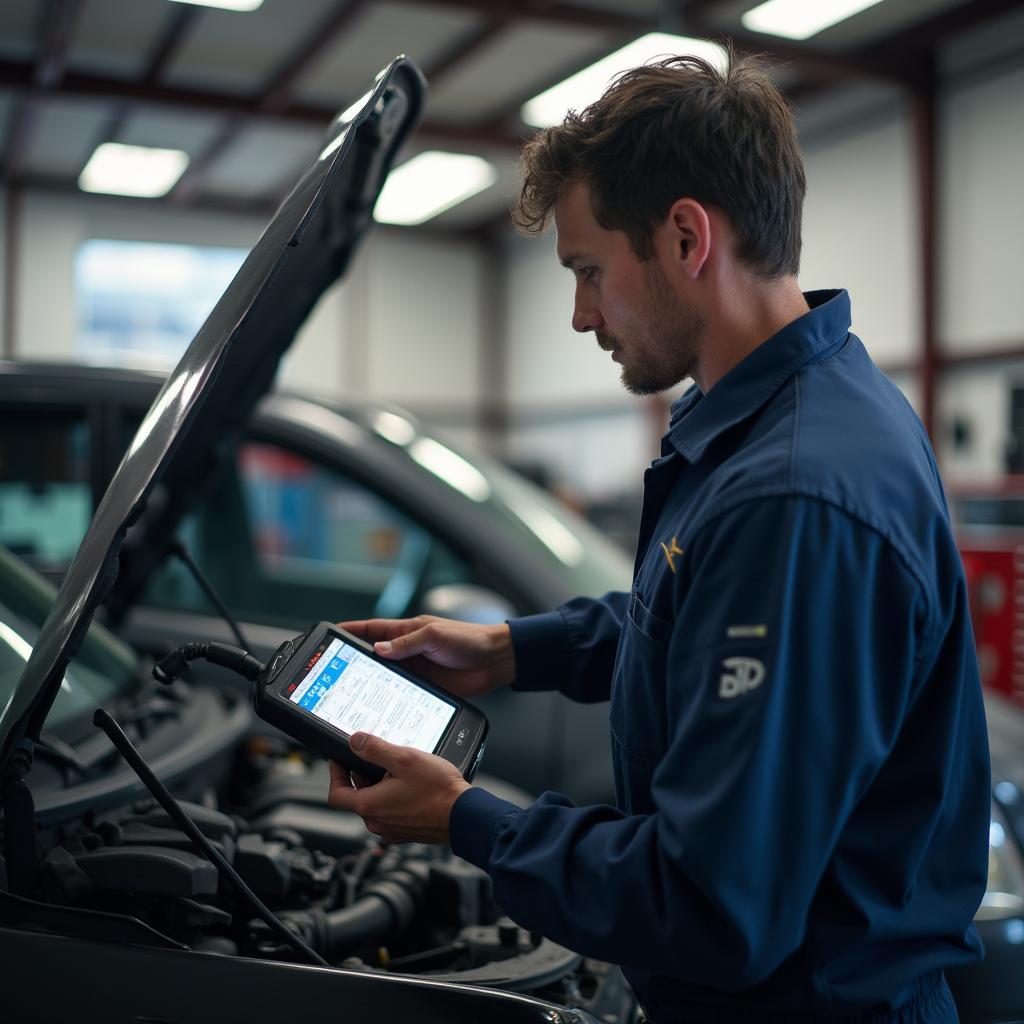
670, 551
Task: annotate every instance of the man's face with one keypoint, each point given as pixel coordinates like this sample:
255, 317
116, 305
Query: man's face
628, 303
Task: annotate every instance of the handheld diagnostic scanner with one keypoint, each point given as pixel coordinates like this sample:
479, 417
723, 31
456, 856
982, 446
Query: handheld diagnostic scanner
327, 684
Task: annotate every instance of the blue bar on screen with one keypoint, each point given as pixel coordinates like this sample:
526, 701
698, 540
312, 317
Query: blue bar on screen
321, 685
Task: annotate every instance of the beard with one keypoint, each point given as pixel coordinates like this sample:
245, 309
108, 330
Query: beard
663, 343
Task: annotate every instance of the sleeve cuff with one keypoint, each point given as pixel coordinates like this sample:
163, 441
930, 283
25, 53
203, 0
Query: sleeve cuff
541, 643
474, 822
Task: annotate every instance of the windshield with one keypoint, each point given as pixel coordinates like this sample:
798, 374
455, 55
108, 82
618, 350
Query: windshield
103, 668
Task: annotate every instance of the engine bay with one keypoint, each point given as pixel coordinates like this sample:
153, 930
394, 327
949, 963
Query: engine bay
127, 872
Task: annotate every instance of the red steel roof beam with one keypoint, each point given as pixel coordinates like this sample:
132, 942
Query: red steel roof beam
46, 73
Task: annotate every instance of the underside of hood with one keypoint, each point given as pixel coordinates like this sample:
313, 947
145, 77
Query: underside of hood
228, 367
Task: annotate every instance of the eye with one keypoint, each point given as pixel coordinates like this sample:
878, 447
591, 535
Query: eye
587, 273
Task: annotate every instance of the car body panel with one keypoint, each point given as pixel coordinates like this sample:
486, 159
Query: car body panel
137, 982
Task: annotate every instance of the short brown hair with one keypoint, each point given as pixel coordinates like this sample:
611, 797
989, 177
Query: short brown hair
676, 128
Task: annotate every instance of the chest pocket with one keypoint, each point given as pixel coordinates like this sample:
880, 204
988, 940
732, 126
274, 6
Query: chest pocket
638, 712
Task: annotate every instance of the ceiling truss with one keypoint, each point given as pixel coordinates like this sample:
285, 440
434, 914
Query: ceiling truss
903, 61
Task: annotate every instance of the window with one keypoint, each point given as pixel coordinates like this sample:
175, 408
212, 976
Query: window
45, 494
143, 302
288, 541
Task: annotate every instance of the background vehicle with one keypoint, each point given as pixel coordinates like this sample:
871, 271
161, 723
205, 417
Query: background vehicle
322, 510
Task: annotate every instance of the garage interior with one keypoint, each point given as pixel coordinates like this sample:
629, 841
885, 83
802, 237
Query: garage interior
910, 116
911, 122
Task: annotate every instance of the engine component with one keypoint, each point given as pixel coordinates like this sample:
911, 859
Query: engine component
141, 833
190, 915
149, 869
411, 908
174, 810
263, 865
213, 824
506, 955
321, 828
459, 893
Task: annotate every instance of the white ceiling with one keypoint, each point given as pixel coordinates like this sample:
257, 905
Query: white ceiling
381, 32
205, 96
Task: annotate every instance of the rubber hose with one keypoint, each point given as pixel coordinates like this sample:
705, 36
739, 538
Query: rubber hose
368, 920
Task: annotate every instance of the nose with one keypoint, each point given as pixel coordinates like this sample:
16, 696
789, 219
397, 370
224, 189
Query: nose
585, 315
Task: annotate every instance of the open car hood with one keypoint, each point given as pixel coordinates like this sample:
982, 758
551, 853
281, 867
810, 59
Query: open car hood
227, 368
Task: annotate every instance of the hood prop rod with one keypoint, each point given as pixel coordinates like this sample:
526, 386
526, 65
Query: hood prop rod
177, 814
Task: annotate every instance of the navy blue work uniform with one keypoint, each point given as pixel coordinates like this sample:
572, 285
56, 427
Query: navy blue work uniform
799, 743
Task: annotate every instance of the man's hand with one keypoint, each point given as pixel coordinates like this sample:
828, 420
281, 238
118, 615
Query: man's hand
411, 804
464, 658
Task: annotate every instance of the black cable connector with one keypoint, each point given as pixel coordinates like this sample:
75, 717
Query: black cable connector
174, 811
168, 668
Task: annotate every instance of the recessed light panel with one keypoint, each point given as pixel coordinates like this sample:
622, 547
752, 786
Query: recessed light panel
581, 89
429, 184
226, 5
801, 19
132, 170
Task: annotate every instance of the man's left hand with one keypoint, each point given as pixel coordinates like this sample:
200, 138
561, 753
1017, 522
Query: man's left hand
411, 804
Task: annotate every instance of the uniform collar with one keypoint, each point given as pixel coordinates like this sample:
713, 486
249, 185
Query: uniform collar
697, 419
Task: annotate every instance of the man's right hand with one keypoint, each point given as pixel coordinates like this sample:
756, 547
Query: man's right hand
464, 658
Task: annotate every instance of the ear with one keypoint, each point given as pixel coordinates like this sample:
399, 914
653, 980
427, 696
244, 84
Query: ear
689, 229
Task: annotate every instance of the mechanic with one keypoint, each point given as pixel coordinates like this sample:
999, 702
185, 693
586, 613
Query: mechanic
799, 743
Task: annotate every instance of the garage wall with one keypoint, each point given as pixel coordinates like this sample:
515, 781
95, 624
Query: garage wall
405, 325
861, 227
416, 323
860, 232
548, 362
568, 411
982, 211
422, 311
52, 227
972, 421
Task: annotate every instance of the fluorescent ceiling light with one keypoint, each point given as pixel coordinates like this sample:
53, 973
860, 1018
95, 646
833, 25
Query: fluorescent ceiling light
429, 184
801, 19
132, 170
227, 5
579, 91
